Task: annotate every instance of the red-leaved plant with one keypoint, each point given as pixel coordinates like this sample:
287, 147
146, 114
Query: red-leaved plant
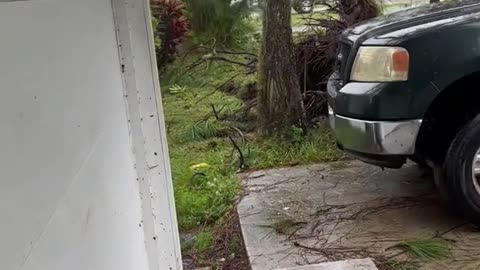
171, 29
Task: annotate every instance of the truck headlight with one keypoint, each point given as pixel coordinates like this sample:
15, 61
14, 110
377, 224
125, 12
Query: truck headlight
381, 64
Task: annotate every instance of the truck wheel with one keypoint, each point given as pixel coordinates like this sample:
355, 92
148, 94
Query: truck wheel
462, 170
440, 183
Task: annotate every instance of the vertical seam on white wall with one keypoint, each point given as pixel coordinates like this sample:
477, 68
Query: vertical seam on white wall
122, 29
147, 137
160, 122
162, 145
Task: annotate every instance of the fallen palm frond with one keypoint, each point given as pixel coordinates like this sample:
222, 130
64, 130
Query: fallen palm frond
426, 249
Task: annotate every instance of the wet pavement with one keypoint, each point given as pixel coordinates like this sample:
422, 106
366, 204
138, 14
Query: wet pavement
348, 210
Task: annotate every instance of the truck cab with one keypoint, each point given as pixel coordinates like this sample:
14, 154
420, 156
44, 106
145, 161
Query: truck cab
405, 87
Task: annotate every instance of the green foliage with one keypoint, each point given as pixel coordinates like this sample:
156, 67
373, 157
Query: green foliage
199, 131
157, 40
426, 249
317, 146
205, 130
203, 194
219, 22
176, 89
297, 134
206, 192
205, 241
170, 29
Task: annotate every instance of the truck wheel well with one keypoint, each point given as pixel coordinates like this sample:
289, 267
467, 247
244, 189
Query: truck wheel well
453, 108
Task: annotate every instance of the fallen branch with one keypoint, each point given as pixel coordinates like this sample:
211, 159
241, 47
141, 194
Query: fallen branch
243, 165
195, 64
338, 253
210, 58
213, 50
239, 133
237, 53
220, 87
220, 58
215, 113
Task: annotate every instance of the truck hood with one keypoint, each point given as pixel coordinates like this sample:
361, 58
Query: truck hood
410, 18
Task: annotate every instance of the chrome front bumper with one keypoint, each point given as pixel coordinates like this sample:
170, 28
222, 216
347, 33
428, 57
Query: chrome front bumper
383, 138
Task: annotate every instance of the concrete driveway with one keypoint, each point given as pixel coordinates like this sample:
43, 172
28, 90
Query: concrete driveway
349, 210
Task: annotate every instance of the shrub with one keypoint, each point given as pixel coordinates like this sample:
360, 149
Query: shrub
218, 22
170, 27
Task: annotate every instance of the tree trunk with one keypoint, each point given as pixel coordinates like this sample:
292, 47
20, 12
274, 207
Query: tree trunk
280, 103
434, 1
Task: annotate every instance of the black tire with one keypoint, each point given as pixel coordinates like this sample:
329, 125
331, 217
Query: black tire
440, 184
458, 168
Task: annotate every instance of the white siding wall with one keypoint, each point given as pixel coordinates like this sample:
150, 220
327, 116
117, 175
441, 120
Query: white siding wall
69, 195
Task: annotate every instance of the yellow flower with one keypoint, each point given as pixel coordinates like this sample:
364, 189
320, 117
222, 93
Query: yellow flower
200, 165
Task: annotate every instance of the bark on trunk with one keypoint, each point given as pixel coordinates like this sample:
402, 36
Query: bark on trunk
280, 99
434, 1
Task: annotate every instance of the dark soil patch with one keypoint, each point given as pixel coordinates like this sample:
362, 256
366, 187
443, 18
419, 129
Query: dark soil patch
229, 251
229, 245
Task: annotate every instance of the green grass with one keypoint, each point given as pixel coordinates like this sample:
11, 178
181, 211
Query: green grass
204, 164
302, 19
205, 241
318, 146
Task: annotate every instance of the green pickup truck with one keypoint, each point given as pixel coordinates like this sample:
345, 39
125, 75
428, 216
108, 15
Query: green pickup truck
407, 86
